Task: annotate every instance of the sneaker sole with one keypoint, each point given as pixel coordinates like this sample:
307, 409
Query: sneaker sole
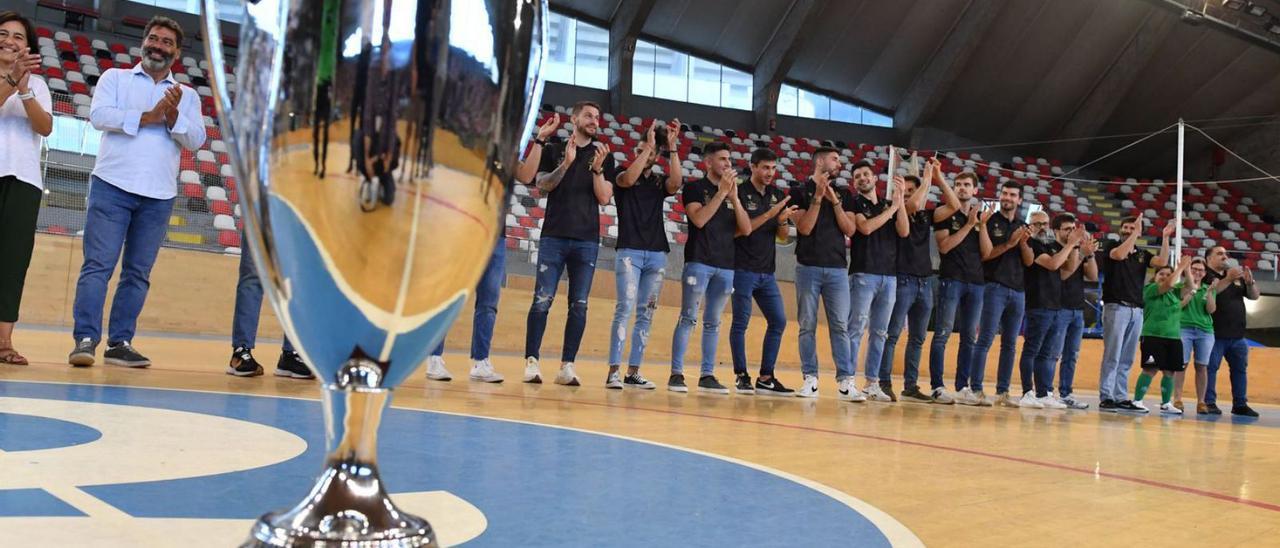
717, 391
776, 393
81, 360
254, 373
535, 380
853, 399
678, 389
441, 379
812, 396
639, 386
129, 364
291, 375
487, 380
751, 392
613, 386
909, 399
571, 382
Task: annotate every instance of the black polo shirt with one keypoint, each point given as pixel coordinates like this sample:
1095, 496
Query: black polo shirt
1122, 280
1044, 287
712, 244
1007, 269
572, 209
1229, 318
875, 253
913, 251
641, 225
824, 246
964, 262
1073, 289
755, 252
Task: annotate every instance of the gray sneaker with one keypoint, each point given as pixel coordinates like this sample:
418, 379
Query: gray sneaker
1073, 403
83, 354
124, 355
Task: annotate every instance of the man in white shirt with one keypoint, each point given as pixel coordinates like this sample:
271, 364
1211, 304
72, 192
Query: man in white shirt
144, 116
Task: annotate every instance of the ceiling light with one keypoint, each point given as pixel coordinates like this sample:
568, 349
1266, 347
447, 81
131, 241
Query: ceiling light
1233, 4
1257, 10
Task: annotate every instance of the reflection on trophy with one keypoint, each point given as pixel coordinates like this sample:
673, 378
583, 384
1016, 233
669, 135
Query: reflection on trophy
369, 253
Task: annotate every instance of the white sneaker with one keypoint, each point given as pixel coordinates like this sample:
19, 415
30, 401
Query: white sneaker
1030, 401
567, 377
848, 390
1168, 409
981, 398
482, 371
614, 381
1003, 399
810, 388
1072, 403
965, 397
436, 370
941, 396
873, 392
1052, 402
1140, 406
532, 374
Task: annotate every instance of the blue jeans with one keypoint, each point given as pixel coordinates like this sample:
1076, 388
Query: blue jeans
965, 298
639, 278
1121, 330
912, 308
1200, 341
1041, 347
1236, 351
554, 256
244, 324
832, 285
488, 289
1002, 310
764, 288
1070, 352
117, 220
871, 298
701, 282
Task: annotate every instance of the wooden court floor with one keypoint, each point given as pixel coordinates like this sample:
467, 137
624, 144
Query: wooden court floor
954, 476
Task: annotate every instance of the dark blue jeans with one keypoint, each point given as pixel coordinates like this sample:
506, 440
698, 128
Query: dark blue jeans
912, 309
1002, 311
965, 298
488, 289
1041, 347
244, 324
764, 288
555, 255
1070, 352
117, 220
1236, 351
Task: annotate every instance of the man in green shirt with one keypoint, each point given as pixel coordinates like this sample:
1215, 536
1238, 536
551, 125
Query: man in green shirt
1162, 336
1197, 331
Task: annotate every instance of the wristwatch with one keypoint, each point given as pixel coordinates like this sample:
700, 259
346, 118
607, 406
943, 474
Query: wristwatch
598, 171
540, 142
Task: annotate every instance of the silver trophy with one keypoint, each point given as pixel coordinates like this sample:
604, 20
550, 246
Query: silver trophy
373, 143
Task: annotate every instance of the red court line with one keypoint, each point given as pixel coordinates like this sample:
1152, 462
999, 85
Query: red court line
936, 447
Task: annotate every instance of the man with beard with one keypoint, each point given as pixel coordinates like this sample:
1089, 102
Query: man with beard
1002, 297
1233, 286
820, 253
642, 249
1080, 268
1124, 269
873, 271
1044, 255
146, 118
914, 304
574, 176
754, 254
956, 229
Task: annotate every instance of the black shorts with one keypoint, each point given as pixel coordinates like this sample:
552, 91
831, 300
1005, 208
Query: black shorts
1163, 354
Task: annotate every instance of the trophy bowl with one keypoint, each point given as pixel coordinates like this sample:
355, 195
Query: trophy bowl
374, 142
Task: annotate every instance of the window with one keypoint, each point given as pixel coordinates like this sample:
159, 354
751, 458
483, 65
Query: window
577, 52
72, 134
793, 101
788, 101
669, 74
228, 10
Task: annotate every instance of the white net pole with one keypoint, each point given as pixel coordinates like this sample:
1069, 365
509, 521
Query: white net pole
1177, 212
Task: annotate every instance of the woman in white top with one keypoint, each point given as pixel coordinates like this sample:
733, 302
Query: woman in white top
25, 105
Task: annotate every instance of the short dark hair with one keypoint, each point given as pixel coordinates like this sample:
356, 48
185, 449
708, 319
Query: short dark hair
714, 147
970, 176
578, 106
859, 165
1163, 268
1062, 219
1129, 219
824, 150
1013, 185
164, 23
28, 28
763, 155
912, 179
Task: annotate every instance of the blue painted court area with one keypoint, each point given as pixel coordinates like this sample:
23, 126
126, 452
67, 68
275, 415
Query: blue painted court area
535, 485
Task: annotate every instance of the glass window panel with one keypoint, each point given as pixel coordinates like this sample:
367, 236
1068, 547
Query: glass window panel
813, 105
735, 89
560, 46
704, 82
670, 74
876, 119
591, 59
642, 69
787, 101
845, 112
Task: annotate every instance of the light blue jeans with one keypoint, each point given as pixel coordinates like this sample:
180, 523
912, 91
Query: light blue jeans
1121, 330
639, 277
701, 282
832, 286
871, 297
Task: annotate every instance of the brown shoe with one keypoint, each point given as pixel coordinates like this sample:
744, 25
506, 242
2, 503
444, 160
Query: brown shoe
1202, 409
1178, 404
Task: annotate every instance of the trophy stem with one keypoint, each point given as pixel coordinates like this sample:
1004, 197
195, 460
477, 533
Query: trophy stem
348, 506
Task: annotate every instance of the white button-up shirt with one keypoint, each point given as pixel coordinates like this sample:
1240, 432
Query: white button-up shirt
142, 160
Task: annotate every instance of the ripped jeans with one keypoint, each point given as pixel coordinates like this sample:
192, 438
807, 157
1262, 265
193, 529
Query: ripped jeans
871, 298
555, 255
639, 276
701, 282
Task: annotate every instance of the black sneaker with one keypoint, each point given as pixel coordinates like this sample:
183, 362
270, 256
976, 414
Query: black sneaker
83, 354
290, 366
634, 380
1213, 409
887, 388
914, 394
742, 384
773, 387
676, 383
1243, 411
709, 384
1127, 405
242, 363
1108, 406
124, 355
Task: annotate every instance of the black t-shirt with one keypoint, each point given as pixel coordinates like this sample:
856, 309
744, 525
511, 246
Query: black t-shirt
640, 222
1229, 318
1073, 289
1007, 269
913, 251
712, 244
824, 246
964, 262
1122, 280
875, 253
572, 209
1044, 287
755, 252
